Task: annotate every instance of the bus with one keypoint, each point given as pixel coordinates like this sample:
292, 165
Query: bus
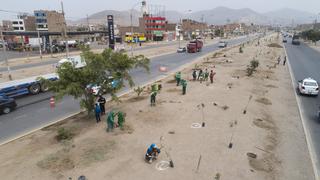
136, 38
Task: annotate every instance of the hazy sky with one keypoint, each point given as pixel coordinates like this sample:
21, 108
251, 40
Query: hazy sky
79, 8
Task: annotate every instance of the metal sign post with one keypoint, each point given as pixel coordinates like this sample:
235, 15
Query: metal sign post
111, 32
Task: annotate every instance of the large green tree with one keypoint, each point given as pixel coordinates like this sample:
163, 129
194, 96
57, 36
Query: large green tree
103, 69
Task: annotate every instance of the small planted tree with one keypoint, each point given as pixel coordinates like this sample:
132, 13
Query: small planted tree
252, 67
109, 70
139, 90
240, 50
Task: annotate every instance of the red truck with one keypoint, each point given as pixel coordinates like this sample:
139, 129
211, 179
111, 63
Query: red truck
194, 46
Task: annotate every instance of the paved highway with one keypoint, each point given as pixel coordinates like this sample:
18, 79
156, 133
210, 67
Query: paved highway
15, 54
34, 111
305, 62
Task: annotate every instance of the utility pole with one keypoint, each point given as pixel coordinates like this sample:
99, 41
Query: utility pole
88, 23
40, 51
65, 31
131, 32
5, 54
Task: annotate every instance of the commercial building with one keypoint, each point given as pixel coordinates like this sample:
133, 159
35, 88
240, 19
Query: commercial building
51, 21
192, 28
153, 27
7, 25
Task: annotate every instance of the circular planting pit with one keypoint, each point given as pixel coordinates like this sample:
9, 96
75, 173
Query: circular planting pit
196, 125
252, 155
162, 165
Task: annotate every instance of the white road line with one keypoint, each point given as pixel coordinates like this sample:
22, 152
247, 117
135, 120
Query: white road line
310, 145
20, 117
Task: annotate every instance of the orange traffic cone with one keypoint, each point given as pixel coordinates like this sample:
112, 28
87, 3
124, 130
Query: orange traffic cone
52, 102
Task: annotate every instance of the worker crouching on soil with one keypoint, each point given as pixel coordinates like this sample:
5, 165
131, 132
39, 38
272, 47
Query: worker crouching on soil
152, 153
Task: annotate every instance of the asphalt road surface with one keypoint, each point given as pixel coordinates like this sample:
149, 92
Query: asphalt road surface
305, 62
34, 111
16, 54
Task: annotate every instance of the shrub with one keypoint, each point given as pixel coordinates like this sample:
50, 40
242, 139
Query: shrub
64, 134
240, 50
252, 67
139, 90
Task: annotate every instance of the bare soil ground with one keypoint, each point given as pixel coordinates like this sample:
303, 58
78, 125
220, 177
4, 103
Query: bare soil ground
258, 115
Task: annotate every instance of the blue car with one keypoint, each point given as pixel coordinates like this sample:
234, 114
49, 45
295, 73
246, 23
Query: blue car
7, 104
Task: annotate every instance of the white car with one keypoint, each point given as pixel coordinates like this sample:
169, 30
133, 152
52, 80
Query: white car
223, 44
181, 50
308, 86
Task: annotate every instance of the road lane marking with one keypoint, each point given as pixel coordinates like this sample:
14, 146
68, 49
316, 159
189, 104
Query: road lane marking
314, 160
20, 117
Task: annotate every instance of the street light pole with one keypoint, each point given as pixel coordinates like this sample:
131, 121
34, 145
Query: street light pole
5, 54
65, 31
40, 51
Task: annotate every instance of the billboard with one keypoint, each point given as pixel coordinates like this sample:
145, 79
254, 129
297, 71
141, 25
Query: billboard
111, 32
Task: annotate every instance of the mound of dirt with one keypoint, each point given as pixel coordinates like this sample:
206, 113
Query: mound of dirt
276, 45
264, 101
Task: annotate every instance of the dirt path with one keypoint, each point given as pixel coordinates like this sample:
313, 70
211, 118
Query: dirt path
270, 130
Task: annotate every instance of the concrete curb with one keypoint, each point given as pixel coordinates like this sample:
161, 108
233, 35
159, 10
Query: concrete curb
161, 77
303, 120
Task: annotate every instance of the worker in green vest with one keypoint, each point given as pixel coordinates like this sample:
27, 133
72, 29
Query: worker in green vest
110, 121
184, 86
178, 78
121, 119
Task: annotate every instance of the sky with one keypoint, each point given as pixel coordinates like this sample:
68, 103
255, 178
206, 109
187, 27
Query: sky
76, 9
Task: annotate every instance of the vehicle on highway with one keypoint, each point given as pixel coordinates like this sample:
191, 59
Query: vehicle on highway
284, 40
194, 46
295, 40
31, 85
76, 61
95, 89
223, 44
181, 50
308, 86
7, 104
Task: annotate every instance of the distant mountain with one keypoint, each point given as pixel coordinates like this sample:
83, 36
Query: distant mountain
217, 16
120, 17
288, 16
223, 15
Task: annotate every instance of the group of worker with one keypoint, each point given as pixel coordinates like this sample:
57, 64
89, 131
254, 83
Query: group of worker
100, 110
203, 75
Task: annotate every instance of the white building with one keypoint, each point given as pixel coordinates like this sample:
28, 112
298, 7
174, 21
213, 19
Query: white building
18, 25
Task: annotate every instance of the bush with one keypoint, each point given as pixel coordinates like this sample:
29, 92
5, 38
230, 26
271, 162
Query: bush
240, 50
64, 134
138, 90
252, 67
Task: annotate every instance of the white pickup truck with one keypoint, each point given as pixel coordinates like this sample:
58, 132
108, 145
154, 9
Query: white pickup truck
76, 61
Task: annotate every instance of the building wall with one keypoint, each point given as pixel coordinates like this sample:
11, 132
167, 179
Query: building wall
7, 25
30, 23
18, 25
51, 21
153, 27
55, 21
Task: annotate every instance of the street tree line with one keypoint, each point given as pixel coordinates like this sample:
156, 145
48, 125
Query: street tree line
313, 35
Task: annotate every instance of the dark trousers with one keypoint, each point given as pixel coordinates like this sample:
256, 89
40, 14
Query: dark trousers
178, 81
153, 101
184, 89
98, 117
211, 80
103, 109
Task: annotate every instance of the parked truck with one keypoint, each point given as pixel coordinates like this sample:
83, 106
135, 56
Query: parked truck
30, 85
194, 46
